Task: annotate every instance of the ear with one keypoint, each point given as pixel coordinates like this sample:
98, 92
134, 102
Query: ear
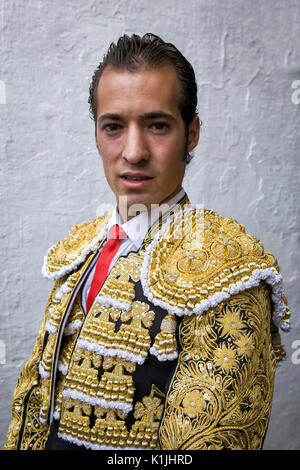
194, 134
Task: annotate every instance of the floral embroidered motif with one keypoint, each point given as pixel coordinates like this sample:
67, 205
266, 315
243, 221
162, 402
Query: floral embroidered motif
193, 403
225, 358
220, 395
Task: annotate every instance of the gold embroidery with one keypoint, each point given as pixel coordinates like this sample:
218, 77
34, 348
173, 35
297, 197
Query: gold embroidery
45, 399
194, 403
57, 302
109, 429
47, 358
220, 395
81, 238
68, 342
199, 255
85, 238
76, 419
279, 350
100, 373
76, 317
119, 290
131, 339
216, 381
118, 285
28, 380
116, 385
83, 372
143, 434
58, 394
35, 434
55, 309
99, 381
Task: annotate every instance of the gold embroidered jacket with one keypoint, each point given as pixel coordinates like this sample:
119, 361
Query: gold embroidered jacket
178, 350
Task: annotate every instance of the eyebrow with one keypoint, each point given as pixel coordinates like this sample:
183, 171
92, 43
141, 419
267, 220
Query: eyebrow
158, 115
144, 117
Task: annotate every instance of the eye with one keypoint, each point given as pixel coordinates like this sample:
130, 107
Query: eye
159, 126
111, 127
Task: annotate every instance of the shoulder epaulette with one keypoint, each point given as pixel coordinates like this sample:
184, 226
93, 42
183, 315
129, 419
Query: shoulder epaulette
71, 251
199, 259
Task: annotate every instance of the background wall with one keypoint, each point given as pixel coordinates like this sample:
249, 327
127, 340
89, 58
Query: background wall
246, 58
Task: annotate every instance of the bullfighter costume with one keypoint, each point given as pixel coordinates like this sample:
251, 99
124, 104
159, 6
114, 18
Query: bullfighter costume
177, 351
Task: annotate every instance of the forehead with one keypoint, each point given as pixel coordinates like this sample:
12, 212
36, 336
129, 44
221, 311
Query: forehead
144, 90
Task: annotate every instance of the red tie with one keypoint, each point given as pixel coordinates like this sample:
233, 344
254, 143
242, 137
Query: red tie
106, 256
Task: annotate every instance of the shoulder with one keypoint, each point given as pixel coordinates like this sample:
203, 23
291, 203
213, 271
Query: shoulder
201, 259
71, 251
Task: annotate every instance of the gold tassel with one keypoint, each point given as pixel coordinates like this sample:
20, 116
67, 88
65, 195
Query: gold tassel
165, 344
277, 346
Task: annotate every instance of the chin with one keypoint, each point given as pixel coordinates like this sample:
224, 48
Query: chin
140, 200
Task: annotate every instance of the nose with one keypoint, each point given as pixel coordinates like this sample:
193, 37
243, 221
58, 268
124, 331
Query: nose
135, 146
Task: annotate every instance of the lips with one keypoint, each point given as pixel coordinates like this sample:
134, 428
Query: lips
136, 180
135, 177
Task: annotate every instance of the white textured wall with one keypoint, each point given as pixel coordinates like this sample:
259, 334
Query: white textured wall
246, 58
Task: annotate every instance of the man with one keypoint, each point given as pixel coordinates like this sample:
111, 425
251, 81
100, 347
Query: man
161, 329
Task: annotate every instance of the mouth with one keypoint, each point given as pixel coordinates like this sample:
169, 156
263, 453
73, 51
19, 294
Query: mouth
135, 176
135, 180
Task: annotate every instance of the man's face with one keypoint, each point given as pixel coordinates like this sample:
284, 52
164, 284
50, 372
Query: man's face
140, 134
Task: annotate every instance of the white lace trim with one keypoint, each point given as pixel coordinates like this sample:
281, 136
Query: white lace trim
51, 328
89, 445
94, 347
110, 302
72, 327
44, 374
94, 401
163, 357
62, 368
56, 414
63, 289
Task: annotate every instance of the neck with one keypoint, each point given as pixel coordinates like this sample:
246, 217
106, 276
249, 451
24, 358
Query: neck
129, 212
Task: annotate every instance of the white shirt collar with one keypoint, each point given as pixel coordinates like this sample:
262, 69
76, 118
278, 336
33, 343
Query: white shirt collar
137, 227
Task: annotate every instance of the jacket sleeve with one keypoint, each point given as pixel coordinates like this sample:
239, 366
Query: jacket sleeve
25, 429
220, 394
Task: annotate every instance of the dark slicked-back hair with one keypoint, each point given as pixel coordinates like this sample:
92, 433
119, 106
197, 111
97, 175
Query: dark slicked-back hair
135, 52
